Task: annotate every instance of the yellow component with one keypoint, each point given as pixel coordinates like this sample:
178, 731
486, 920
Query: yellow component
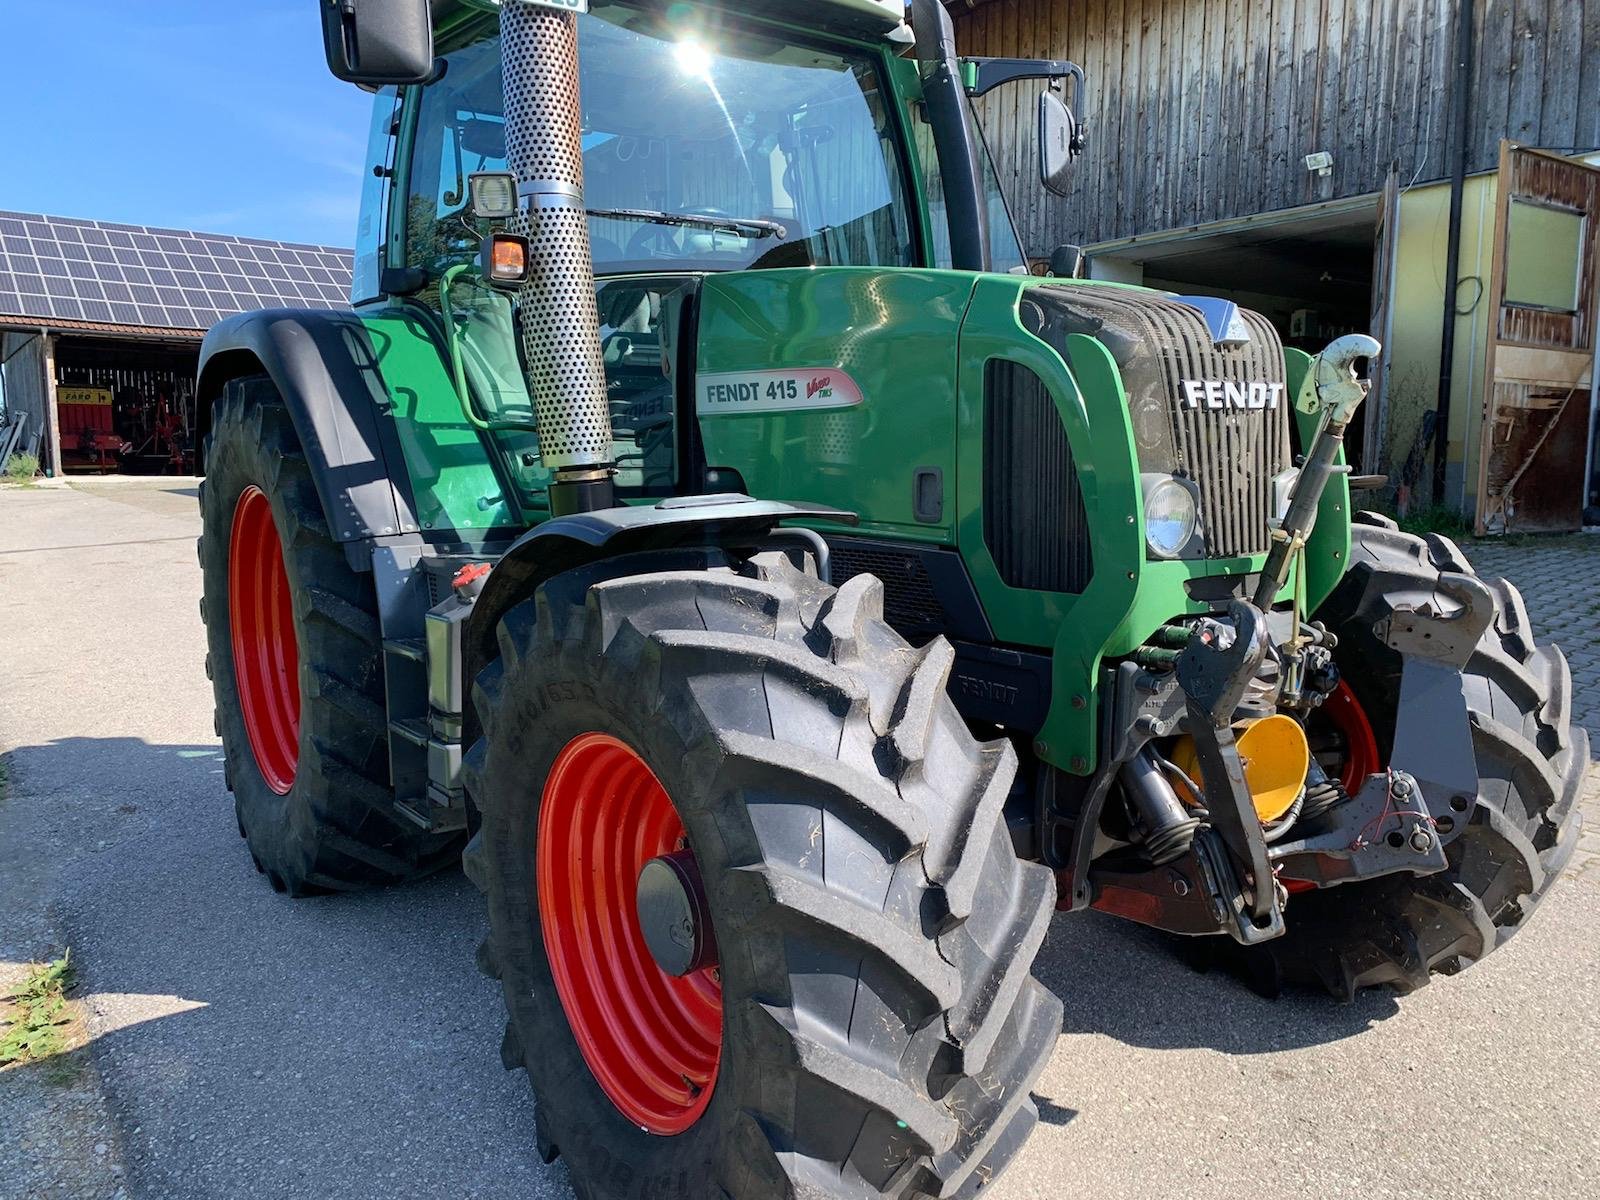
1276, 759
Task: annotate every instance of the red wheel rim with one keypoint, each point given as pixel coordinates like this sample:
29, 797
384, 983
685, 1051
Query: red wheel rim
1361, 745
652, 1041
266, 655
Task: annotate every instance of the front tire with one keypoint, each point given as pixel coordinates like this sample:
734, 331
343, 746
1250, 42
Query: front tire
877, 1025
1520, 830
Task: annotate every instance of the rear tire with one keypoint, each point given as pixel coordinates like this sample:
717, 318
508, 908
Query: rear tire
1521, 829
880, 1025
316, 808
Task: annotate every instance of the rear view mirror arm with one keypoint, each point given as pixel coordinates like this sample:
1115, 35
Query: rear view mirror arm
992, 73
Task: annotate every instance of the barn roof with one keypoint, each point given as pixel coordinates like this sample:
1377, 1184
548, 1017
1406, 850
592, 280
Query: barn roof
71, 273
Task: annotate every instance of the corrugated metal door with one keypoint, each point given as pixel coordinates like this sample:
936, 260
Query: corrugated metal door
1541, 344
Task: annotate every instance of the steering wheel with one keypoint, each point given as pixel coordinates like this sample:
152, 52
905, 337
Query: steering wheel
651, 238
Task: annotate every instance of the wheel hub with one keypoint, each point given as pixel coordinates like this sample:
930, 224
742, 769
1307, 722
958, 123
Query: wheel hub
673, 915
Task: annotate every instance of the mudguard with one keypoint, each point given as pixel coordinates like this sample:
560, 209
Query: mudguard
730, 521
325, 367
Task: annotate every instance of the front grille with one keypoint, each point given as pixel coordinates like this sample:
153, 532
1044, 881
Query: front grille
1034, 521
1158, 343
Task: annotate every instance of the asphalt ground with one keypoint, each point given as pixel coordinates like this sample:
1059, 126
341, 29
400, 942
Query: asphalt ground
245, 1045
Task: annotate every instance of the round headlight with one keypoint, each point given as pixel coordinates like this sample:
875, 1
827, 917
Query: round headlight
1170, 517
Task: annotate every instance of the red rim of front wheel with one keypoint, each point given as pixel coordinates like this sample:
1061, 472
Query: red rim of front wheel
652, 1041
1361, 757
266, 654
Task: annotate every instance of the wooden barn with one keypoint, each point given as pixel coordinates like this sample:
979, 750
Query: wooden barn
1332, 163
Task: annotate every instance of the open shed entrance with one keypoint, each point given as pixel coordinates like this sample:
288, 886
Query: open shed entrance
126, 406
1316, 275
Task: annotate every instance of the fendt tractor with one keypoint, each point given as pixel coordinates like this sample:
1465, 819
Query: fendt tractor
705, 528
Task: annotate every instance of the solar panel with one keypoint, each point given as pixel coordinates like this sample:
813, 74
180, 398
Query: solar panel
58, 268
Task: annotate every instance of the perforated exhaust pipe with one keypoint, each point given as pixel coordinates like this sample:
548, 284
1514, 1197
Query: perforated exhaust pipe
558, 318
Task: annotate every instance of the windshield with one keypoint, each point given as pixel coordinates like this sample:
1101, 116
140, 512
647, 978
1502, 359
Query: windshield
725, 126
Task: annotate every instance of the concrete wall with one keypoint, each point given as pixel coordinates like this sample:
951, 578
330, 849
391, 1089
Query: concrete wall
30, 388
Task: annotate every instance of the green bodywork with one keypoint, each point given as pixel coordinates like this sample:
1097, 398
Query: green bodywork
917, 341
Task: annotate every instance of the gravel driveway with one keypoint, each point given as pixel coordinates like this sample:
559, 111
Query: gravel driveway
245, 1045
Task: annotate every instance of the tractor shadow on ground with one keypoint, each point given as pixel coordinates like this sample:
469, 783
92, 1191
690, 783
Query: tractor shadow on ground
229, 1021
1138, 986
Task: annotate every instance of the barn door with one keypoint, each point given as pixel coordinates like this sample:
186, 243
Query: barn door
1541, 349
1386, 241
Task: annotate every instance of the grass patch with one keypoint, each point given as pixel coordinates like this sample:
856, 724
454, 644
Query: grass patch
22, 468
36, 1020
1437, 518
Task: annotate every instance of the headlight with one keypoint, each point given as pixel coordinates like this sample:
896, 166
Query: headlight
1171, 515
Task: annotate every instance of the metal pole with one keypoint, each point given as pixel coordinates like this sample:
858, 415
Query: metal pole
945, 97
1461, 98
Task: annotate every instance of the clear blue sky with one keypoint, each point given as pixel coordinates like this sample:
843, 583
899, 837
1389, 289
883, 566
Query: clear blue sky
218, 116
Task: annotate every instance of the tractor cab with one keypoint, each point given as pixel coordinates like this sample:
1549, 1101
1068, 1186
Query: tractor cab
715, 140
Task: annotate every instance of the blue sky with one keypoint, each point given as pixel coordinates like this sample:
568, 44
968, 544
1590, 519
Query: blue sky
218, 116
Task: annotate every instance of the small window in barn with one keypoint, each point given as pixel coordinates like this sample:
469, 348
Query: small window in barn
1544, 256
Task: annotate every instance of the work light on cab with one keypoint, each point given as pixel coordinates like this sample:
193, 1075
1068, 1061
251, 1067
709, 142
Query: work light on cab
504, 259
493, 195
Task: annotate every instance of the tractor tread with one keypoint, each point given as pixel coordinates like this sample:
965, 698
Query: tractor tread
338, 828
1522, 828
786, 697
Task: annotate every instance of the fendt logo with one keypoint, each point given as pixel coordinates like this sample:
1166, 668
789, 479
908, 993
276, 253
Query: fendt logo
1219, 394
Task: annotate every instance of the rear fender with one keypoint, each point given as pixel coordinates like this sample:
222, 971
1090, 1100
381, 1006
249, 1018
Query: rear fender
325, 367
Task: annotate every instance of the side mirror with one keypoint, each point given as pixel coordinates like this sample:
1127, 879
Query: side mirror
1061, 140
1068, 262
378, 43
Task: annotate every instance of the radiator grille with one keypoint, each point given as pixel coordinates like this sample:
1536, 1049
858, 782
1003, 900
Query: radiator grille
1034, 521
910, 604
1158, 343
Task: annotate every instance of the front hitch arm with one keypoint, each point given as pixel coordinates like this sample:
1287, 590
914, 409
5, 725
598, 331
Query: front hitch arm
1214, 670
1383, 830
1337, 396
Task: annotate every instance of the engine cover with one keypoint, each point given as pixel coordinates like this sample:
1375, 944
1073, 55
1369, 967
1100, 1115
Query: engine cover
1216, 413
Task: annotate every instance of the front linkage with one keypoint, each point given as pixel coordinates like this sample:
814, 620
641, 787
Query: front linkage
1211, 862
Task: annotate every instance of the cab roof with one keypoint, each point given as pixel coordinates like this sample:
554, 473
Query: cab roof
870, 19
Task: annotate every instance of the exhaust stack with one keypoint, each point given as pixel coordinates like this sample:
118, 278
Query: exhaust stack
558, 320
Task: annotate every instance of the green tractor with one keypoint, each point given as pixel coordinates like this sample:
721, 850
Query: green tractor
707, 529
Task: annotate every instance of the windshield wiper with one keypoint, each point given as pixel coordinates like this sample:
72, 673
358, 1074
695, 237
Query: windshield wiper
741, 225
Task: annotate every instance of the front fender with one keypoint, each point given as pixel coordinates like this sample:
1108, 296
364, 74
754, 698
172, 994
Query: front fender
324, 365
729, 522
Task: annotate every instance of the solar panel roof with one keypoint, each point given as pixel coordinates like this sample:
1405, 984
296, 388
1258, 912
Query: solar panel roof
58, 268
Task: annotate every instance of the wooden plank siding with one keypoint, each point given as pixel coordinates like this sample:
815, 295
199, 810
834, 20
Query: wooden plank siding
1204, 110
